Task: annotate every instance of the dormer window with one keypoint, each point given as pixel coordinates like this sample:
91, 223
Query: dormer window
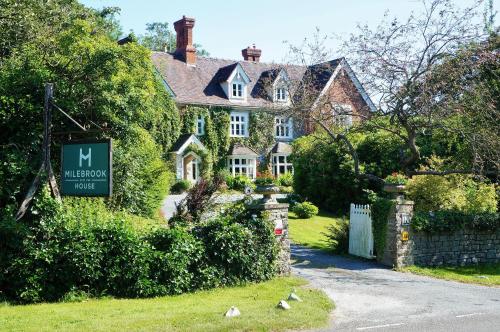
280, 94
237, 90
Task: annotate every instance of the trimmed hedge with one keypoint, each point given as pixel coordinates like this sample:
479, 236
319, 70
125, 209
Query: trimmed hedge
449, 221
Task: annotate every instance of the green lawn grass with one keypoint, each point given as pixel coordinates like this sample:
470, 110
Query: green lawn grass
201, 311
481, 274
311, 232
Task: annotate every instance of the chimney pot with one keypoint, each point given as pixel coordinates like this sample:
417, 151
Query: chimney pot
251, 53
185, 50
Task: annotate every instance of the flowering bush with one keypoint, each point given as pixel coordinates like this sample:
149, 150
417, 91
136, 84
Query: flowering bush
396, 179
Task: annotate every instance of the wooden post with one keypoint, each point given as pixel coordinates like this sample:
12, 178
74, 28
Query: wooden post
46, 166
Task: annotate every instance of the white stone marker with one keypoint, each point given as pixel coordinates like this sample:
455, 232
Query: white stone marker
233, 312
294, 297
283, 305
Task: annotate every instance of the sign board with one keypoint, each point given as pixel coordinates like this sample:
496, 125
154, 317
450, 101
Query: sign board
405, 236
86, 168
278, 227
405, 219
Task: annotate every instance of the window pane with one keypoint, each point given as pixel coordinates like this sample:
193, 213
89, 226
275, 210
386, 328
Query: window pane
282, 159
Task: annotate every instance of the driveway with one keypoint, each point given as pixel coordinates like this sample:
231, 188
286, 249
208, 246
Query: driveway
370, 297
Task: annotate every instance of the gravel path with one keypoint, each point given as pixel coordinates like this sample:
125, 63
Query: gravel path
371, 297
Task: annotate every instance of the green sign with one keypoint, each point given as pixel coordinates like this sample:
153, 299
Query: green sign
86, 168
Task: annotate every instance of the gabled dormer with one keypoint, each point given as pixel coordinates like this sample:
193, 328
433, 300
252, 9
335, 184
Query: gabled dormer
234, 81
281, 87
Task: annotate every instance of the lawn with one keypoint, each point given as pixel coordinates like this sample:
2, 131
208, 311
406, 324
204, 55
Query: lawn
488, 275
311, 232
201, 311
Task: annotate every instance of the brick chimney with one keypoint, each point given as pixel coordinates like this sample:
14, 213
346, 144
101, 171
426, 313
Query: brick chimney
185, 50
251, 53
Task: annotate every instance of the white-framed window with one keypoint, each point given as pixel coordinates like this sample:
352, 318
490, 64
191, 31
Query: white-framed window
283, 127
200, 125
237, 90
342, 115
245, 166
280, 94
281, 165
238, 125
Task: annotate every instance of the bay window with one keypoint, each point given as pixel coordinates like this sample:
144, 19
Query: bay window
245, 166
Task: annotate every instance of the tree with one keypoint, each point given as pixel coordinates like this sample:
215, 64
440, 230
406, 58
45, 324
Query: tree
420, 70
159, 37
424, 74
98, 82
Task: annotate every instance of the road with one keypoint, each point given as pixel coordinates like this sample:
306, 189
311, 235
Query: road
370, 297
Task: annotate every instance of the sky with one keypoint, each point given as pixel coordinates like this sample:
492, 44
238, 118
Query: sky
225, 27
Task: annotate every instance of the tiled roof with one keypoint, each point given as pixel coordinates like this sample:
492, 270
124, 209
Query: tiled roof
180, 142
240, 150
281, 147
200, 84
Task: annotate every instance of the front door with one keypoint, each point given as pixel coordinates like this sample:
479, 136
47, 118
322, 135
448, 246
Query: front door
191, 168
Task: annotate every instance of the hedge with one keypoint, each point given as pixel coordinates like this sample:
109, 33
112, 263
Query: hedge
449, 221
67, 250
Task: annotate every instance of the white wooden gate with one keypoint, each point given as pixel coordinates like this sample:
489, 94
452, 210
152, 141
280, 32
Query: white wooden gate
360, 231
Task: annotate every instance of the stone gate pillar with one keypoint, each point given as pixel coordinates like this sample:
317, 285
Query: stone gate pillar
277, 214
398, 243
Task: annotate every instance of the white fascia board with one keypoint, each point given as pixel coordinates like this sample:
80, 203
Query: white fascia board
239, 69
189, 141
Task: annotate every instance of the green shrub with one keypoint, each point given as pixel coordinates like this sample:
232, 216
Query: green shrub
78, 249
338, 236
452, 192
448, 221
305, 210
141, 178
380, 209
285, 180
181, 186
239, 182
264, 181
323, 174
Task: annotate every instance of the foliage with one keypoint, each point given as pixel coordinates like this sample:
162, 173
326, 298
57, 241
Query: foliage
338, 236
261, 131
323, 174
112, 86
396, 178
141, 177
264, 179
81, 247
305, 210
158, 37
181, 186
239, 182
449, 221
452, 192
380, 209
198, 200
379, 151
285, 180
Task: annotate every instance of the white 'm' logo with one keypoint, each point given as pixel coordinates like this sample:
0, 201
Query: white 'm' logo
88, 157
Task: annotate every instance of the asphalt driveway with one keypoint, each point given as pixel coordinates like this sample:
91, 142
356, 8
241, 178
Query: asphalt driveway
370, 297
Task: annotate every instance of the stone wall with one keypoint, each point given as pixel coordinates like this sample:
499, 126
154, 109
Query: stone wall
462, 247
277, 214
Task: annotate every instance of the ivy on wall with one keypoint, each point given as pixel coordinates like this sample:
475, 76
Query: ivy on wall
216, 138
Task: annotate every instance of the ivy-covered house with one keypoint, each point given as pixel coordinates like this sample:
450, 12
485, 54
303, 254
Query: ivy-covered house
235, 111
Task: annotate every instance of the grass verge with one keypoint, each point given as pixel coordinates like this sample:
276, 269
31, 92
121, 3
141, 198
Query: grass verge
311, 232
200, 311
488, 275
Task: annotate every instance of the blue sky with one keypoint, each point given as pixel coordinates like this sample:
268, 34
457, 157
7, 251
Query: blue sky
225, 27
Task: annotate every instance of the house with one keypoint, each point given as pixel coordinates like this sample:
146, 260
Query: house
248, 85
